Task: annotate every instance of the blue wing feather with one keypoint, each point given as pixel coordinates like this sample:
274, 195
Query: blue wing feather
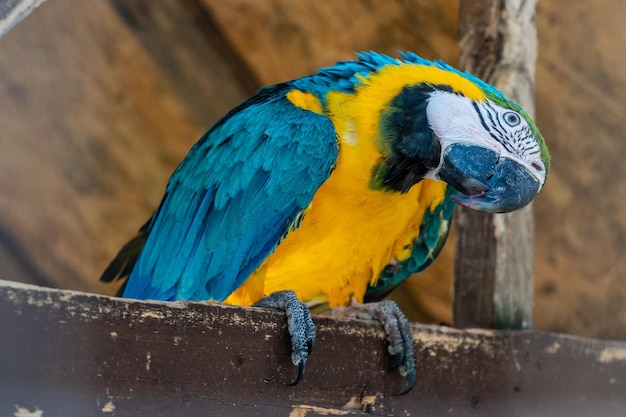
234, 197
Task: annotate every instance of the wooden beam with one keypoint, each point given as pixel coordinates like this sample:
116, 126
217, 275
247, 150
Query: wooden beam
68, 353
494, 258
13, 12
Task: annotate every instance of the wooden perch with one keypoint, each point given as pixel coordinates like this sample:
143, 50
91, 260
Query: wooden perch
494, 254
66, 353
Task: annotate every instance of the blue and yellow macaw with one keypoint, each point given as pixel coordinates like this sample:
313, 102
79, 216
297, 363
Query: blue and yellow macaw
334, 187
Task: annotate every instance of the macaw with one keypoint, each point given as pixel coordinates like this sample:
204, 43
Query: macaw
334, 188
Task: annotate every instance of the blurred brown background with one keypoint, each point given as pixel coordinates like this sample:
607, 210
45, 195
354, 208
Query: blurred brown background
100, 100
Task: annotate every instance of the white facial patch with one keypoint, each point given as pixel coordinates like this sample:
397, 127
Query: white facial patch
454, 118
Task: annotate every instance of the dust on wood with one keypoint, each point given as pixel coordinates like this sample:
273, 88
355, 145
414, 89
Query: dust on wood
132, 358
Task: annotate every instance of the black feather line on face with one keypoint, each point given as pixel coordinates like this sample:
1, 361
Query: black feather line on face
520, 141
409, 146
495, 127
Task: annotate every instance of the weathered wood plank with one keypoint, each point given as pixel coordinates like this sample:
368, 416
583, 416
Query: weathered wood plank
69, 353
494, 259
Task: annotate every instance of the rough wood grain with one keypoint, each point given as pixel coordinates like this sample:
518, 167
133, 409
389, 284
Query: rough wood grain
68, 353
494, 258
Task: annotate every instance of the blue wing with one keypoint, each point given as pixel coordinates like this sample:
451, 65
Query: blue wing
238, 192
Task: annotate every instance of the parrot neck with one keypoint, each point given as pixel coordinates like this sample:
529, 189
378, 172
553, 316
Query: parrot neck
410, 148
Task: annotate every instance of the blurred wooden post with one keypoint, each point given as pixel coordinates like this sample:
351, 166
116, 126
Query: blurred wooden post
494, 256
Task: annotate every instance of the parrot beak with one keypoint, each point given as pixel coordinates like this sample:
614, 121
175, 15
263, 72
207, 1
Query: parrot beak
491, 183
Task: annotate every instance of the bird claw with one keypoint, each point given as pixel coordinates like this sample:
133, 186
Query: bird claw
301, 369
398, 332
299, 323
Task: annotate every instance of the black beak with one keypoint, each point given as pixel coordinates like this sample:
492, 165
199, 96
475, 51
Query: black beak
491, 183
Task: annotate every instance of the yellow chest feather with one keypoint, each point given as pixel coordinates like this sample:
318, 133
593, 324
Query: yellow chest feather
345, 240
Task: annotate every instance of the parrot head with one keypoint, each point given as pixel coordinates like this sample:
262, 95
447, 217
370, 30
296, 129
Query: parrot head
450, 126
491, 151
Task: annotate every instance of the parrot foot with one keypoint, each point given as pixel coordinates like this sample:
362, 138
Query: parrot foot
398, 332
299, 323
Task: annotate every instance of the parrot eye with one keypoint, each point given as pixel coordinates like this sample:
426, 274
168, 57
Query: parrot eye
512, 119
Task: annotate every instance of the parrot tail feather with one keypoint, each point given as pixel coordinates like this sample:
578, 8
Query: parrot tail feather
122, 265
